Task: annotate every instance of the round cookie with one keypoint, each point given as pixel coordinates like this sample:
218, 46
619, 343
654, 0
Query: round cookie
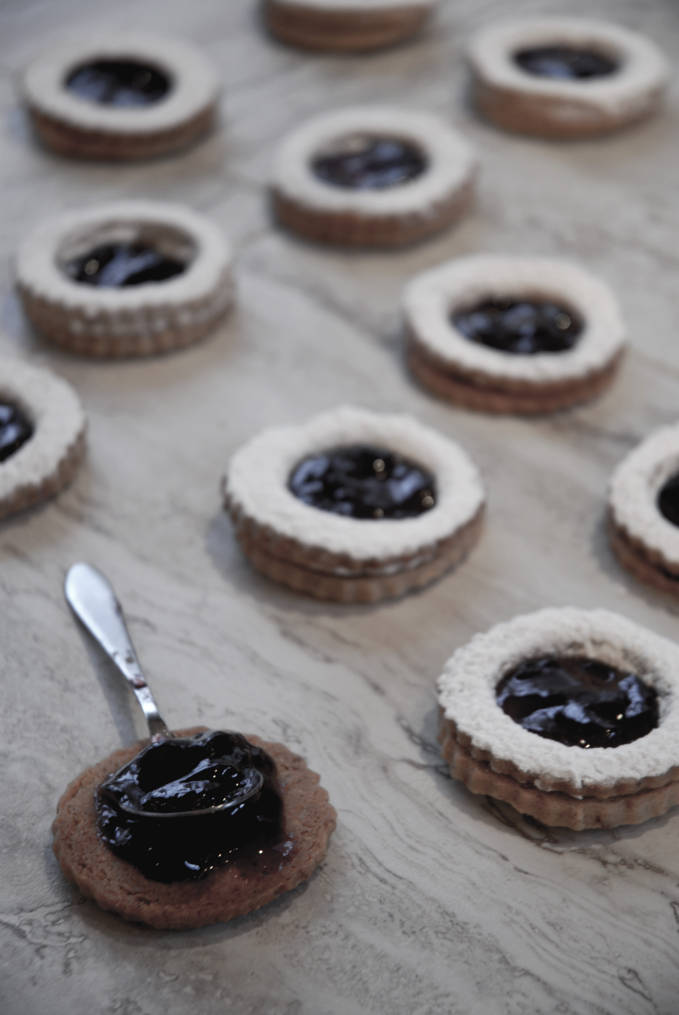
372, 176
512, 334
227, 892
565, 77
413, 507
345, 25
120, 96
130, 278
566, 782
42, 435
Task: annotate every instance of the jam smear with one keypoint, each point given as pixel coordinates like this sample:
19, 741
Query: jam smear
189, 774
362, 481
122, 83
519, 327
15, 429
668, 500
361, 162
565, 62
113, 265
578, 701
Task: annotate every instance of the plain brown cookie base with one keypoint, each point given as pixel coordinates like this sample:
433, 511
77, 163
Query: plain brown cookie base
540, 116
341, 31
553, 808
228, 892
478, 393
636, 559
29, 494
378, 231
80, 143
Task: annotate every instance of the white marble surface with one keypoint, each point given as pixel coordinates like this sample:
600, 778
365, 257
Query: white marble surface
430, 900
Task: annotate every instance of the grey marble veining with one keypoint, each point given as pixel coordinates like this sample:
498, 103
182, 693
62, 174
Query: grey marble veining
430, 900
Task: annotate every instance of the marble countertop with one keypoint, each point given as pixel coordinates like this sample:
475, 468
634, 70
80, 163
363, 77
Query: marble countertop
430, 900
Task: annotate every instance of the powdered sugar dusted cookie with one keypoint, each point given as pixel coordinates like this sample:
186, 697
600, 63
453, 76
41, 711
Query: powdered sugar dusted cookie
565, 77
129, 278
571, 716
345, 25
643, 503
512, 334
120, 96
372, 176
353, 505
42, 435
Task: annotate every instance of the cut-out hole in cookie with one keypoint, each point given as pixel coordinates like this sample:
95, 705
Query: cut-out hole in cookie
578, 701
369, 162
119, 81
566, 63
124, 255
519, 326
16, 428
364, 481
668, 499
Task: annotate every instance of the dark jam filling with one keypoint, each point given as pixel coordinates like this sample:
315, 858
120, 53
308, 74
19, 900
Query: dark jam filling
15, 429
121, 83
189, 774
519, 327
668, 500
112, 265
362, 481
579, 702
369, 163
565, 62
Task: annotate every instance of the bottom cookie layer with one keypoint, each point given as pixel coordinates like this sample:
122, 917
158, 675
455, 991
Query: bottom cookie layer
30, 494
632, 556
229, 891
341, 31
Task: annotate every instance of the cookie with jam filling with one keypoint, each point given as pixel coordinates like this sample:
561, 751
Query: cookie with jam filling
512, 334
565, 77
354, 506
571, 716
338, 26
130, 278
372, 176
210, 869
120, 97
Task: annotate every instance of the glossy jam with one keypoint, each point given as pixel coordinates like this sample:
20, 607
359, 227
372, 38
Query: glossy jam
113, 265
519, 327
362, 481
189, 774
565, 62
577, 701
122, 83
668, 500
15, 429
362, 162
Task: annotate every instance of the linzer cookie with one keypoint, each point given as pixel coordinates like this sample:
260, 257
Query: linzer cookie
643, 506
512, 334
565, 77
372, 177
345, 25
354, 506
571, 716
42, 435
130, 278
209, 869
120, 96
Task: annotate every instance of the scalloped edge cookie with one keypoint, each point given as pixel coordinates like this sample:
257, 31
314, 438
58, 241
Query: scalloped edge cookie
76, 128
138, 320
392, 217
345, 25
478, 377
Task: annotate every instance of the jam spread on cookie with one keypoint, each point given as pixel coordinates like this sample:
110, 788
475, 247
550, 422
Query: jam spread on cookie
565, 62
668, 500
362, 481
578, 701
15, 429
519, 327
112, 265
122, 83
191, 774
362, 162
